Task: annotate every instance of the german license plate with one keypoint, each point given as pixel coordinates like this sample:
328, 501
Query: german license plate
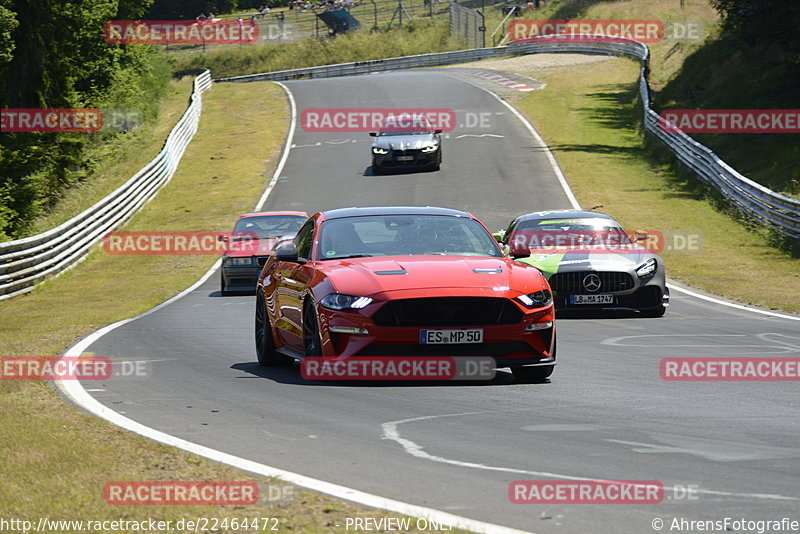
591, 299
447, 337
405, 158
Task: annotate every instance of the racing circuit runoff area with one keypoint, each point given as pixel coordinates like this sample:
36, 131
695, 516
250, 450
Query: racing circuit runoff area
607, 445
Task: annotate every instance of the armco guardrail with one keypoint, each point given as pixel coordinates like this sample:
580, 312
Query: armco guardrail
777, 211
29, 261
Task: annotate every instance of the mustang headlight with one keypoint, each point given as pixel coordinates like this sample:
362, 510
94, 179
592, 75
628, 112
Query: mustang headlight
432, 148
536, 300
340, 301
379, 150
647, 269
240, 262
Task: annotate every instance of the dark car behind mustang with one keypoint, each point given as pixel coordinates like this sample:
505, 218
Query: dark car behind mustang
253, 240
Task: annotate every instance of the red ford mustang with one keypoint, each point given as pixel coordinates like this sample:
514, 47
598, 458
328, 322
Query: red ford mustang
403, 281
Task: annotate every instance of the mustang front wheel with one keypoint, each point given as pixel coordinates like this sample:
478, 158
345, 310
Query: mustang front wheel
312, 342
265, 344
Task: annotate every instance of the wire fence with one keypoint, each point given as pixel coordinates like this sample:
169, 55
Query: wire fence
293, 24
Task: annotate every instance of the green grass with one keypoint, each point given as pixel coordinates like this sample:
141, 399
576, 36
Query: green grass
726, 75
420, 37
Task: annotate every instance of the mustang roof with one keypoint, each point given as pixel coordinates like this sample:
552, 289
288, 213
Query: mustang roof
564, 214
392, 210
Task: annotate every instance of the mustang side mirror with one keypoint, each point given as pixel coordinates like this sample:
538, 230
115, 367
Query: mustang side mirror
373, 134
518, 249
640, 235
287, 252
222, 238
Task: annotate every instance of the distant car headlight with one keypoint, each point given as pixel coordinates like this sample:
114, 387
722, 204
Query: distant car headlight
379, 150
240, 262
536, 300
432, 148
340, 301
647, 269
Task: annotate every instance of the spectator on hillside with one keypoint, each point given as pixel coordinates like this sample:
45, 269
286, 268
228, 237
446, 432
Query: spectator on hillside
201, 17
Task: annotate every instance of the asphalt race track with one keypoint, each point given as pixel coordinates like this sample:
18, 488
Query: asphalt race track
455, 447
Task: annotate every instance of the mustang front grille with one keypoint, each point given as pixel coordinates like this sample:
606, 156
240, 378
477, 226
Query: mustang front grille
448, 311
575, 283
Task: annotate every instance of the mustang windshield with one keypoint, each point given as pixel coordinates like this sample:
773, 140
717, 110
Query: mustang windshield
398, 235
570, 233
269, 227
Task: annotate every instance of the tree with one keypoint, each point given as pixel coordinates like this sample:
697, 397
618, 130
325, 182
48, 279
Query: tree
760, 21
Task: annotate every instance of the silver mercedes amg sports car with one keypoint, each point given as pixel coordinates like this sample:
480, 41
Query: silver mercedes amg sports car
591, 263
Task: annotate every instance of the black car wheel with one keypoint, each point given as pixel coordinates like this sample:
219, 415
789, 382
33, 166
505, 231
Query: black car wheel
265, 344
312, 342
222, 287
534, 374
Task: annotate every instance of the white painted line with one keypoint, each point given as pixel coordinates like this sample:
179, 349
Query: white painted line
288, 147
732, 304
75, 391
391, 432
553, 163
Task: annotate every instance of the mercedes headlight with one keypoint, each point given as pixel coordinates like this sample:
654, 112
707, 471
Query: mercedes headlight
340, 301
240, 262
647, 269
432, 148
379, 150
536, 300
